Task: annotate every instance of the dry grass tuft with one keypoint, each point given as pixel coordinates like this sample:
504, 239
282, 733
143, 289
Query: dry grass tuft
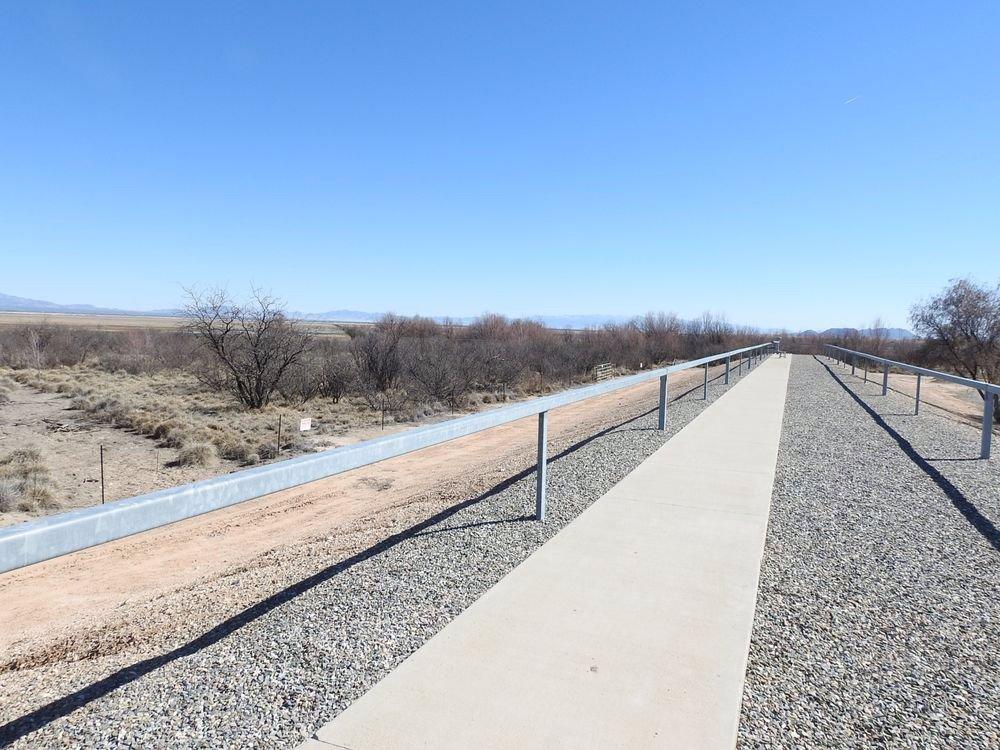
197, 454
25, 484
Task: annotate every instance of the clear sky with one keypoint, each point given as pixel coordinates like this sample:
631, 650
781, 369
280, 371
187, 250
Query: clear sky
788, 164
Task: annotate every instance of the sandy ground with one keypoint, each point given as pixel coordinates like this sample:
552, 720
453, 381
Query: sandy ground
83, 606
70, 439
947, 399
70, 446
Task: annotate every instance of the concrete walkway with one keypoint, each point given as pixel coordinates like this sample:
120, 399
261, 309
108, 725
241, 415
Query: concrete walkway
628, 629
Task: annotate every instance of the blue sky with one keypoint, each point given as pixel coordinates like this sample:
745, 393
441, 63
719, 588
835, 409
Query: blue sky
787, 164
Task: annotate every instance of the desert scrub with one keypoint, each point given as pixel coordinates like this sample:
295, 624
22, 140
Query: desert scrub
197, 454
25, 484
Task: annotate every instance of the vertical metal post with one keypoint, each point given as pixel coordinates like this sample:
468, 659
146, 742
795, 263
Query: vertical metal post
102, 475
984, 451
854, 363
541, 469
885, 379
727, 370
916, 408
662, 423
704, 388
866, 370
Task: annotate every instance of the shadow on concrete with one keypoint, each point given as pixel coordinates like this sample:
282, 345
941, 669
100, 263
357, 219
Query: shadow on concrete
978, 521
25, 725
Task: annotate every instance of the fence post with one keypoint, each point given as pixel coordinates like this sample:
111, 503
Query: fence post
541, 468
727, 370
704, 388
866, 370
984, 451
916, 409
854, 363
885, 379
663, 403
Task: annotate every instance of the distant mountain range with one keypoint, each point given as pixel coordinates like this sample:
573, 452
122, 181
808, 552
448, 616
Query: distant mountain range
894, 334
10, 303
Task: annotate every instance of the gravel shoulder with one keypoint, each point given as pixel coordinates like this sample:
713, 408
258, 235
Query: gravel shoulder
269, 673
878, 621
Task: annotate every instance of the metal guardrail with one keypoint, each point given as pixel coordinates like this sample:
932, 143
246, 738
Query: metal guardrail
989, 391
35, 541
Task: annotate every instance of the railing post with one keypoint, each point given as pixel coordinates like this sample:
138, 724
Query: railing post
739, 366
727, 370
704, 388
916, 408
541, 469
984, 451
854, 363
866, 370
885, 379
662, 423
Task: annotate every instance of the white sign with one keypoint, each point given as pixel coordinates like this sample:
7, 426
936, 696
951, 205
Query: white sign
305, 424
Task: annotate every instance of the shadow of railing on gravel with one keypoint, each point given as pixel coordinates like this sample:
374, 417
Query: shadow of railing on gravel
31, 722
978, 521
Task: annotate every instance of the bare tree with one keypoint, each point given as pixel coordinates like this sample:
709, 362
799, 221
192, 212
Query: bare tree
337, 375
378, 356
877, 338
444, 369
250, 346
963, 324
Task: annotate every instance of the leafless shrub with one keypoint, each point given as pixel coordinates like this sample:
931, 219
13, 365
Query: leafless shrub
267, 451
962, 326
25, 484
378, 357
443, 369
197, 454
337, 375
252, 346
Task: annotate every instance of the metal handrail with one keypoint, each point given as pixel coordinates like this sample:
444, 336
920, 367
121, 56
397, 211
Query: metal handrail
35, 541
989, 391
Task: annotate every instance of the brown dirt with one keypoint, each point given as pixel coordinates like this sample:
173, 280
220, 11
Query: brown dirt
950, 400
70, 445
134, 595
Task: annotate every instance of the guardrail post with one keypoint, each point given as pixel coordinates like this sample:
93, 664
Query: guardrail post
916, 409
704, 388
885, 379
854, 363
727, 370
662, 421
984, 451
541, 468
866, 370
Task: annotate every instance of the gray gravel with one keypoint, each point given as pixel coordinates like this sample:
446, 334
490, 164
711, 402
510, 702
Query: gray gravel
274, 676
878, 616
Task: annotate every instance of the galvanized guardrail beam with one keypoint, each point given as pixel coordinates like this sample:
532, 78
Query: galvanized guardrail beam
989, 391
35, 541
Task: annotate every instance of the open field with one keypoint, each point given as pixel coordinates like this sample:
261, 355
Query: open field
146, 421
265, 620
134, 322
